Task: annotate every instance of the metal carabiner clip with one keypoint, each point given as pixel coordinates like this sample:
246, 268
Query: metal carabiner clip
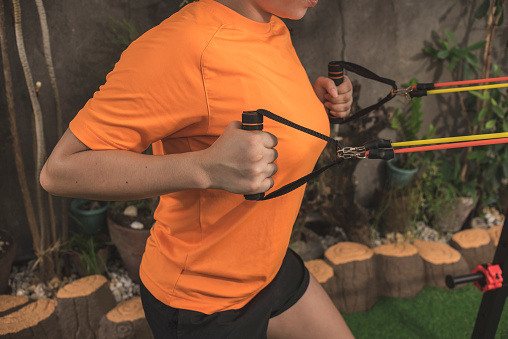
351, 152
405, 92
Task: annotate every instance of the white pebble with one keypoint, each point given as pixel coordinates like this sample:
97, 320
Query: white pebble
20, 292
131, 211
137, 225
117, 295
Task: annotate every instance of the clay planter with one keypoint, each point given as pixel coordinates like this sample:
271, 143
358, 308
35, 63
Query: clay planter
6, 259
89, 221
398, 177
131, 246
457, 213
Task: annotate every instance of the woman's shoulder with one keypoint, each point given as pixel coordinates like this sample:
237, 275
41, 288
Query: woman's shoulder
181, 37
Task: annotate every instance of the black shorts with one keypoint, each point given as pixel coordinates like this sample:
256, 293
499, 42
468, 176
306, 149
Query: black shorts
251, 321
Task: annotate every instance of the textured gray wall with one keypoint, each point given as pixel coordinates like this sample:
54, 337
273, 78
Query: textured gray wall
386, 36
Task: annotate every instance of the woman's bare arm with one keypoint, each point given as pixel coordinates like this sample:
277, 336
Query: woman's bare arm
239, 162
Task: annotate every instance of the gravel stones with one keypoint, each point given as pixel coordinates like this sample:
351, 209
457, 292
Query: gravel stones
24, 282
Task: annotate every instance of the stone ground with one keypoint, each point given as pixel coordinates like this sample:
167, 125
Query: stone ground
24, 283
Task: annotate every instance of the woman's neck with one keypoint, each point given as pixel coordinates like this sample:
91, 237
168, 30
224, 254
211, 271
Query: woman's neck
248, 9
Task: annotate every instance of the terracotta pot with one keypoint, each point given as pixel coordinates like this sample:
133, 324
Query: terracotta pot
6, 260
455, 215
131, 246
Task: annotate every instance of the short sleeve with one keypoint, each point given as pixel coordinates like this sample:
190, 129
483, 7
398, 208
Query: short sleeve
154, 92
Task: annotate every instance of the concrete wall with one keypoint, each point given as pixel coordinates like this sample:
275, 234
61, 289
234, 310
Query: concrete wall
385, 36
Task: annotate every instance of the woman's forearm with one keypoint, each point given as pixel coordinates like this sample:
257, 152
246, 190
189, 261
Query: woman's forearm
121, 175
238, 161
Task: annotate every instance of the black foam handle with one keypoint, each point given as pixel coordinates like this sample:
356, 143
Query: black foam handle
336, 73
252, 121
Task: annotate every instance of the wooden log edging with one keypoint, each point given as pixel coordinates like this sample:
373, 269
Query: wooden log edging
82, 304
354, 285
11, 303
495, 233
323, 274
399, 269
439, 261
126, 321
475, 245
36, 320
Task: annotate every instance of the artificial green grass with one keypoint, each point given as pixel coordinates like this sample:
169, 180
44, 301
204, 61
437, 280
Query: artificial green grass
433, 314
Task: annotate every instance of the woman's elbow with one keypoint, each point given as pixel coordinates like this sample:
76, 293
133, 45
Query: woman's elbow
49, 180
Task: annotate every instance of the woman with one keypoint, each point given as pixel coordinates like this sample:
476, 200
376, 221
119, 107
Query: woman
215, 265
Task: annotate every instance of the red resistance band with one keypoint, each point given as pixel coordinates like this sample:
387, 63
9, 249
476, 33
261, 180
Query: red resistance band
419, 90
470, 82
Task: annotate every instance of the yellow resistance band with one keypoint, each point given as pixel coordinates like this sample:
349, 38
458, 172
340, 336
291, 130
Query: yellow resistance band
452, 139
463, 89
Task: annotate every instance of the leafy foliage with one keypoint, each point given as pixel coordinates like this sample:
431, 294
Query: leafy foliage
486, 112
457, 58
408, 123
86, 247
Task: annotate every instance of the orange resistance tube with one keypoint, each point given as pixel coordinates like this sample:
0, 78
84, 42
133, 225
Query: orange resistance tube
452, 145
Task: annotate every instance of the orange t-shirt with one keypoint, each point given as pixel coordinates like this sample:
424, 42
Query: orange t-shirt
178, 87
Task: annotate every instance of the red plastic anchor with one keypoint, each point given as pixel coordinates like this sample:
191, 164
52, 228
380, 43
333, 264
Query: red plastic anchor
493, 277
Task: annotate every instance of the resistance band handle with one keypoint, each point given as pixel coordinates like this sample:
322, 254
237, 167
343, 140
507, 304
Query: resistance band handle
420, 90
425, 86
381, 153
451, 282
379, 143
336, 73
252, 121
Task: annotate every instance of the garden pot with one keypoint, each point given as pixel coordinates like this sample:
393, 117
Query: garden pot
88, 221
455, 215
398, 177
6, 259
131, 246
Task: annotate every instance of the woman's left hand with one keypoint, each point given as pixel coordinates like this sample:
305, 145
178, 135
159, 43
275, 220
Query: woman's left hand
336, 99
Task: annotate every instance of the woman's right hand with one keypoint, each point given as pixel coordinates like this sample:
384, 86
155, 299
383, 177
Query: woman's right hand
241, 161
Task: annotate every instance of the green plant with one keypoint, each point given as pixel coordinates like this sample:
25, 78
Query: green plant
408, 124
491, 161
87, 247
463, 61
396, 211
484, 112
439, 186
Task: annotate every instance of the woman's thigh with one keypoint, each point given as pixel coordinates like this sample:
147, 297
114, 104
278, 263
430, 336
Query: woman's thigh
313, 316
